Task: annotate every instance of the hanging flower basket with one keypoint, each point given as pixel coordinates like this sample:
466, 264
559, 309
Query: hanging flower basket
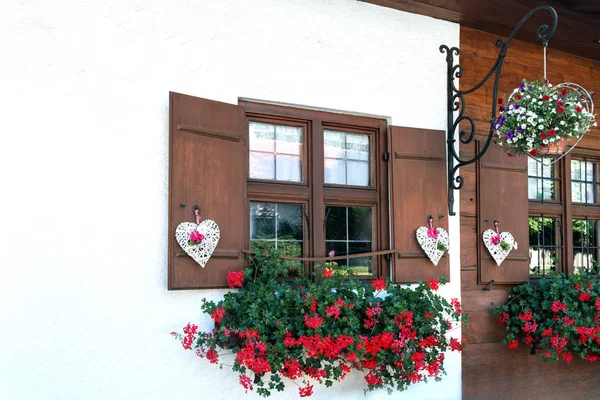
542, 120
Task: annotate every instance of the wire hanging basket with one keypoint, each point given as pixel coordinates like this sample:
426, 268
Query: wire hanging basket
544, 121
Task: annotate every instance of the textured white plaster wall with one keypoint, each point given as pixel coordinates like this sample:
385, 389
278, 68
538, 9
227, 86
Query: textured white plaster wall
83, 164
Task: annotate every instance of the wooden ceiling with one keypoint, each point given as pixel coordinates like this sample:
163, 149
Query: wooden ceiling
578, 29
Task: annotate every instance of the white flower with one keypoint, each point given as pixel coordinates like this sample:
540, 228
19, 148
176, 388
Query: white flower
562, 122
510, 107
549, 85
545, 141
541, 127
528, 97
595, 124
554, 111
540, 120
524, 126
530, 120
515, 246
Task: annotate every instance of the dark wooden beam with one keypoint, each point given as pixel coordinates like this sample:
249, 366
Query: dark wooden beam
578, 26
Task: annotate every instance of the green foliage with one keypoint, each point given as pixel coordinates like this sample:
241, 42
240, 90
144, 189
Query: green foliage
559, 315
324, 326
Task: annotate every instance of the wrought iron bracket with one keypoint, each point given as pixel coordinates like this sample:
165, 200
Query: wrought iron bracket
456, 100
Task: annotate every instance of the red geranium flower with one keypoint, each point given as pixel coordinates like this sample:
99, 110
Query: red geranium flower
518, 97
543, 135
500, 100
235, 278
433, 284
328, 273
560, 110
552, 132
578, 109
379, 284
560, 103
545, 98
533, 152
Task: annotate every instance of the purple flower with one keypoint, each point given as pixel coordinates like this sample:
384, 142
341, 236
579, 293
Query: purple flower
529, 87
521, 86
516, 106
519, 129
510, 134
502, 108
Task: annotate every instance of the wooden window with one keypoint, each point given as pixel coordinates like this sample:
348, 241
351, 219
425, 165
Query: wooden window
544, 245
584, 181
279, 226
586, 245
276, 152
306, 182
338, 189
563, 230
542, 180
349, 230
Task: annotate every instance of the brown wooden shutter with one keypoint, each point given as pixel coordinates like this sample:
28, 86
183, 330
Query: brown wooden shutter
419, 189
206, 168
502, 188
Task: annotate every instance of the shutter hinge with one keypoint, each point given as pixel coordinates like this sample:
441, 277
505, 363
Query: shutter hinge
386, 156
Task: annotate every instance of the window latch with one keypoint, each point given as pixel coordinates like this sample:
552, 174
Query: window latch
386, 156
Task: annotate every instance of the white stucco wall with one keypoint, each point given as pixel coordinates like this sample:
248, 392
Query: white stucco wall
84, 307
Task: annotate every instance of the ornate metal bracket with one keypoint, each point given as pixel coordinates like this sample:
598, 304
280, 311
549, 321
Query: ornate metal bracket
456, 100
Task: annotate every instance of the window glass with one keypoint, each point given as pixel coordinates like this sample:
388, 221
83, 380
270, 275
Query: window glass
543, 245
349, 230
280, 226
347, 158
542, 184
585, 245
275, 152
583, 181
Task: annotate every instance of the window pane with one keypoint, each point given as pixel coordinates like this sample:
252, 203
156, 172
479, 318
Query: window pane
541, 183
349, 230
583, 181
275, 152
544, 249
347, 158
288, 168
585, 245
279, 226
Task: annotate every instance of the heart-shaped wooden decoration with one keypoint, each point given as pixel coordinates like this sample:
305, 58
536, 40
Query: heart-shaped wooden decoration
202, 251
432, 246
498, 253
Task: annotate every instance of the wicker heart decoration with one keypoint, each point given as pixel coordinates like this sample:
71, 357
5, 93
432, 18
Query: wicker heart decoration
202, 251
433, 243
494, 240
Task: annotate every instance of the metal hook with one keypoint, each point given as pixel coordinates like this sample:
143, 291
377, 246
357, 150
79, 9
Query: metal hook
489, 287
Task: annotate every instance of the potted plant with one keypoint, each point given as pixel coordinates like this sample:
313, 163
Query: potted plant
538, 119
560, 315
310, 331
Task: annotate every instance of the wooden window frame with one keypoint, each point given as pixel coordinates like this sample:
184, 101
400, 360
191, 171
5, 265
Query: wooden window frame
312, 192
566, 210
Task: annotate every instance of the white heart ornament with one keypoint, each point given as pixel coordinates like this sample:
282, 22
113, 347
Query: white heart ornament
496, 251
430, 245
202, 251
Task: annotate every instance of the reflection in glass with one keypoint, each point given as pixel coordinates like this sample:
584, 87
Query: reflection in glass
280, 226
349, 230
275, 152
583, 181
347, 158
541, 183
543, 245
585, 245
